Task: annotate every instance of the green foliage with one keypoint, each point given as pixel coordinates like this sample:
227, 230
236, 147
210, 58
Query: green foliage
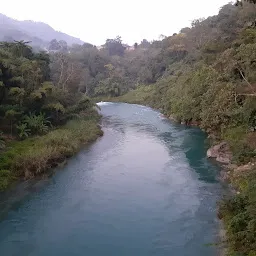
248, 36
114, 46
208, 76
56, 107
5, 178
2, 141
32, 157
138, 96
34, 86
240, 218
217, 107
204, 74
23, 130
38, 124
237, 139
11, 114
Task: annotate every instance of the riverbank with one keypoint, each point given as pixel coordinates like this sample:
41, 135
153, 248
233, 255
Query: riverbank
35, 156
237, 210
139, 96
114, 194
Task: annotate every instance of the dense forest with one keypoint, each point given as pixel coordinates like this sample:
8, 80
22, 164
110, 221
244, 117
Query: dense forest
203, 75
43, 120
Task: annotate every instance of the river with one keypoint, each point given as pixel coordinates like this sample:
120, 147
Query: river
145, 188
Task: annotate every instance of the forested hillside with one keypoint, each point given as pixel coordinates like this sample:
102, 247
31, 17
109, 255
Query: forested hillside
203, 75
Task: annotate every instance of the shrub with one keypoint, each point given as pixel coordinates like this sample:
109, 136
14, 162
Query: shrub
23, 130
38, 124
239, 214
36, 155
5, 177
2, 141
237, 138
36, 160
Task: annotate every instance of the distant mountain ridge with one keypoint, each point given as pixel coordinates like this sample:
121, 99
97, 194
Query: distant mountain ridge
38, 32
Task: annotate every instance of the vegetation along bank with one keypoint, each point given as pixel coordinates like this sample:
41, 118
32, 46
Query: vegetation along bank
203, 75
43, 121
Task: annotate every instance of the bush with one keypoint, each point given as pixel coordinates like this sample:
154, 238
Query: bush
38, 124
239, 214
23, 130
2, 141
5, 177
36, 155
37, 160
237, 138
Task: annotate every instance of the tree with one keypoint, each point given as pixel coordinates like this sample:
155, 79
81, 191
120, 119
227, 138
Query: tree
63, 46
144, 43
54, 45
11, 115
2, 141
66, 72
115, 47
22, 49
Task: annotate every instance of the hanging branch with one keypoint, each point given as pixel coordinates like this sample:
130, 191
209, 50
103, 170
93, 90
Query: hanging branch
241, 73
248, 83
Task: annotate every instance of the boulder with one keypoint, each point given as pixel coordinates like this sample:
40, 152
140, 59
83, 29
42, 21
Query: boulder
224, 158
214, 151
220, 152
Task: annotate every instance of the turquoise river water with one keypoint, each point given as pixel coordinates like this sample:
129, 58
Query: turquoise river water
145, 188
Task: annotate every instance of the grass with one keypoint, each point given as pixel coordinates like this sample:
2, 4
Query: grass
140, 95
34, 156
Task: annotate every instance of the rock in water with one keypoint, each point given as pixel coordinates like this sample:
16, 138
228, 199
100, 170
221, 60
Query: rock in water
221, 152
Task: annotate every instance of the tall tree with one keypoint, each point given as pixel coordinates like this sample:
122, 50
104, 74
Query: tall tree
115, 46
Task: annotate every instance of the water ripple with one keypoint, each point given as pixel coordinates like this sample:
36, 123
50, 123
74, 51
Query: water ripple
145, 188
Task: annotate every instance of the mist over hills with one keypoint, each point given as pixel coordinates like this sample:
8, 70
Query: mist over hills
38, 32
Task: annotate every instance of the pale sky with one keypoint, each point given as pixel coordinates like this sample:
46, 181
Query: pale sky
96, 20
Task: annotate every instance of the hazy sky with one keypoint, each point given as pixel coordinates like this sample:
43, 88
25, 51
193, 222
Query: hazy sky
95, 20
